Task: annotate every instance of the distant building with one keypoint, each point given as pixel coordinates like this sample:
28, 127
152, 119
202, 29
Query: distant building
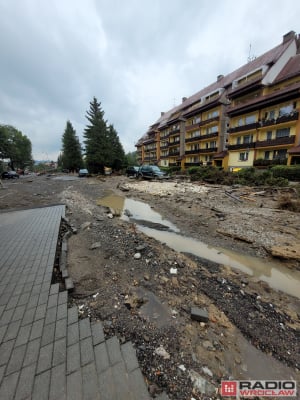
248, 117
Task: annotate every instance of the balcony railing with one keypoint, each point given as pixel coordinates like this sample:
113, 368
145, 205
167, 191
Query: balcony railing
193, 139
242, 128
201, 123
197, 151
275, 142
202, 137
174, 132
241, 146
173, 153
293, 116
172, 144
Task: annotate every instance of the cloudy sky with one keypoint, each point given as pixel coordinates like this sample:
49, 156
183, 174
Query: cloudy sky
137, 57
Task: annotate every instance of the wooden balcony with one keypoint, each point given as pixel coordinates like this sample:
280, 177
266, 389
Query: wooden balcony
249, 127
275, 142
293, 116
174, 153
241, 146
197, 151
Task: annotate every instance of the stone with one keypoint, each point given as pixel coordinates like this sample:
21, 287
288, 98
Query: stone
199, 314
137, 256
161, 351
85, 225
95, 245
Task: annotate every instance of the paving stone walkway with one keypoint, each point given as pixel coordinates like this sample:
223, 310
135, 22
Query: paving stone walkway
46, 352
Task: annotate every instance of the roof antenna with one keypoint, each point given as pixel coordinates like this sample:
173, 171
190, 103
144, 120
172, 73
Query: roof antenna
250, 57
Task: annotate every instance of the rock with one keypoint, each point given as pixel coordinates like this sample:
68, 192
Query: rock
182, 368
173, 271
95, 245
147, 277
207, 371
110, 215
161, 351
207, 345
199, 314
85, 225
140, 248
201, 384
175, 282
288, 252
137, 256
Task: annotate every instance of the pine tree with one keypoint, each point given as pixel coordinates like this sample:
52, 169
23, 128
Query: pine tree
71, 157
97, 148
117, 157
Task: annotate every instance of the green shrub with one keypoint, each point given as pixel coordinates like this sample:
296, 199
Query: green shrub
292, 173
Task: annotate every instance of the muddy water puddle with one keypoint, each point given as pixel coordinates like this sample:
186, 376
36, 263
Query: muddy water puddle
151, 223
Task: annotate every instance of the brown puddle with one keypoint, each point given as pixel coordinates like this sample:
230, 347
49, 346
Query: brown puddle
277, 275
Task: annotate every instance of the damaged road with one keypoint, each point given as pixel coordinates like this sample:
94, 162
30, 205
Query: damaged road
143, 291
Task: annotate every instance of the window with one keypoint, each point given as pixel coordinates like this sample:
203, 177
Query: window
195, 134
250, 119
238, 140
248, 139
285, 110
267, 155
213, 114
284, 132
243, 156
280, 154
212, 145
240, 122
196, 120
212, 129
269, 135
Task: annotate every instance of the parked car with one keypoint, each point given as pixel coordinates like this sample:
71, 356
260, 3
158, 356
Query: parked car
10, 175
132, 171
83, 173
151, 172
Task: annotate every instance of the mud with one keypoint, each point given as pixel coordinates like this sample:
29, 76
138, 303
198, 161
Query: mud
253, 330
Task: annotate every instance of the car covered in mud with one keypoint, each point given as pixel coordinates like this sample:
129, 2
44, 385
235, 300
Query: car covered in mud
132, 171
151, 172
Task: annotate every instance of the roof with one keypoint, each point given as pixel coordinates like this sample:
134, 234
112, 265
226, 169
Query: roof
291, 69
294, 150
222, 154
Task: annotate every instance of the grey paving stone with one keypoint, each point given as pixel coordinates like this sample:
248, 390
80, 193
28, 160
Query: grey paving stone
62, 311
101, 357
61, 329
52, 300
37, 329
2, 308
86, 351
62, 297
23, 299
97, 333
25, 385
138, 386
73, 334
50, 315
43, 298
33, 301
114, 351
73, 358
106, 385
72, 315
5, 351
32, 352
129, 356
45, 358
69, 284
41, 386
54, 289
74, 386
59, 352
23, 335
121, 382
28, 316
36, 288
2, 369
2, 332
13, 301
90, 382
84, 328
16, 359
58, 383
6, 317
40, 311
8, 386
48, 334
19, 313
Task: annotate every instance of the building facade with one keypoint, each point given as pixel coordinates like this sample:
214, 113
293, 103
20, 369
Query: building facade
249, 117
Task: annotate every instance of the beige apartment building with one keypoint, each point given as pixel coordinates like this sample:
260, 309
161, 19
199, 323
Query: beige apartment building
249, 117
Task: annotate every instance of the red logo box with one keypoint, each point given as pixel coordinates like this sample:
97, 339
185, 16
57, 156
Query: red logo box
229, 388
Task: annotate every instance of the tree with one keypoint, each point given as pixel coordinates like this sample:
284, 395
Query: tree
15, 146
117, 154
71, 157
130, 158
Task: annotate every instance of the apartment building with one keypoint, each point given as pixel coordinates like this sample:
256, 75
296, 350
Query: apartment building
248, 117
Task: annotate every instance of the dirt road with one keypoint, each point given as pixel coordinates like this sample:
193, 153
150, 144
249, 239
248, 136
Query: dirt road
143, 290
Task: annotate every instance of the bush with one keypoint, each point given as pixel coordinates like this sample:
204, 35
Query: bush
292, 173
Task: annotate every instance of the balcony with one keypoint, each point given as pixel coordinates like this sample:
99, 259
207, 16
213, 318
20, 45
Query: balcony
293, 116
241, 146
201, 123
254, 125
197, 151
164, 145
202, 137
275, 142
194, 139
174, 153
175, 143
174, 132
